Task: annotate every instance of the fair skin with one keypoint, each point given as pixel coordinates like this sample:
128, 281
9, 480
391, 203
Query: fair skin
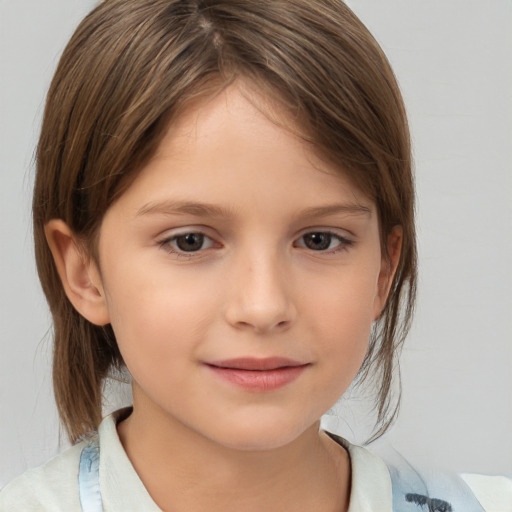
235, 243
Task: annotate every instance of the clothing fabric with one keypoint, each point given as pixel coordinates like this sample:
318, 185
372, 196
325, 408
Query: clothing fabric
97, 476
89, 479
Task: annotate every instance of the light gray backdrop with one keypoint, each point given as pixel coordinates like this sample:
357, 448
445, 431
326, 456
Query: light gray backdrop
453, 61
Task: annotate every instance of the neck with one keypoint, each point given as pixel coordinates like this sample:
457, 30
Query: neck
185, 471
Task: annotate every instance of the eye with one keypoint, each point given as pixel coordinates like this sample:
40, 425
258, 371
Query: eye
190, 242
186, 243
324, 241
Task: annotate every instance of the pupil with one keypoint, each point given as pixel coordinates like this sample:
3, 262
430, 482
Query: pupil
317, 241
190, 242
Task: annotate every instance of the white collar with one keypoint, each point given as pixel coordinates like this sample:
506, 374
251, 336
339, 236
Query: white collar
122, 489
370, 489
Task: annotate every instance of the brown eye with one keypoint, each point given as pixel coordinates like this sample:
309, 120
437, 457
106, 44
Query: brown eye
190, 242
317, 241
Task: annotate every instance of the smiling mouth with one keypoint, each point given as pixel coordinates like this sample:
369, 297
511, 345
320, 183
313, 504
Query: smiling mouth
258, 375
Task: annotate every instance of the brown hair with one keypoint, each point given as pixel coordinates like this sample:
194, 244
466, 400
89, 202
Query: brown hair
130, 69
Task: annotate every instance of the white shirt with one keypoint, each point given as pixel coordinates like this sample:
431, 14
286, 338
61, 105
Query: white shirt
54, 486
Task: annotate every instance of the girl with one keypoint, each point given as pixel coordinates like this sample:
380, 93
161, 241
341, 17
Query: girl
224, 206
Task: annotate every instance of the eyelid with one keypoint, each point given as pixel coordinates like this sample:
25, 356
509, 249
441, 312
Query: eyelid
344, 234
170, 233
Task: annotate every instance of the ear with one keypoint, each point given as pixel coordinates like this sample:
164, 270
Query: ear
80, 276
388, 268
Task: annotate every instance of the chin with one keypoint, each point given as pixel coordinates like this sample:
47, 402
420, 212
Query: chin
258, 435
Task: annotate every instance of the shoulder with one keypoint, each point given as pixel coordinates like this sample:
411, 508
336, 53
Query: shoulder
493, 492
446, 491
416, 488
383, 481
52, 486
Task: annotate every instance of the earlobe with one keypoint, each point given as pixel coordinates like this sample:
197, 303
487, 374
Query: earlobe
79, 275
388, 268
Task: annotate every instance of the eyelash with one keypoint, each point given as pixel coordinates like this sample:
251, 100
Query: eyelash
344, 243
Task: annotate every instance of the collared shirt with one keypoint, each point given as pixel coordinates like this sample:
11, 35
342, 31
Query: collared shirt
54, 486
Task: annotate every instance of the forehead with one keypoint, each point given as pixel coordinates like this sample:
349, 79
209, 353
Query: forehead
240, 136
240, 122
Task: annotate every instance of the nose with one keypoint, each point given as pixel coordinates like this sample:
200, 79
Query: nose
261, 296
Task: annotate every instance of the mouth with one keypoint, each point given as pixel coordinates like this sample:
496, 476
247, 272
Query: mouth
256, 364
258, 375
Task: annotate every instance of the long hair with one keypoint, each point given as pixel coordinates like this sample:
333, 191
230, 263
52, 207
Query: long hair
131, 68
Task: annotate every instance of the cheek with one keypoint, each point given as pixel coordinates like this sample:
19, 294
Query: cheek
344, 316
157, 317
347, 301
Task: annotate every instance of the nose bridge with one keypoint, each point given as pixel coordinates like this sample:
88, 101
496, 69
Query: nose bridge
261, 296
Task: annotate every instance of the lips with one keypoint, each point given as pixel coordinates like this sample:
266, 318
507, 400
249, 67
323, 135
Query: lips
255, 364
258, 375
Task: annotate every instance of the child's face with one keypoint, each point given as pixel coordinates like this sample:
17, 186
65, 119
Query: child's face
234, 243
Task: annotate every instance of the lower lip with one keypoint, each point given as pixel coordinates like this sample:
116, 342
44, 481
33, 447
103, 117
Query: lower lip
259, 380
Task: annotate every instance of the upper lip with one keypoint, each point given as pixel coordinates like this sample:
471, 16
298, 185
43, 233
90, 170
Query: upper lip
254, 363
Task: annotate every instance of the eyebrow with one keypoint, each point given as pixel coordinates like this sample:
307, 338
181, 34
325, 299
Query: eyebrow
183, 208
332, 209
210, 210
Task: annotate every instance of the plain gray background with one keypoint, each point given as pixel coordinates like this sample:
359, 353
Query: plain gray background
453, 61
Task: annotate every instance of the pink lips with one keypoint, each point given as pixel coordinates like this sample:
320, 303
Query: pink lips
258, 375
